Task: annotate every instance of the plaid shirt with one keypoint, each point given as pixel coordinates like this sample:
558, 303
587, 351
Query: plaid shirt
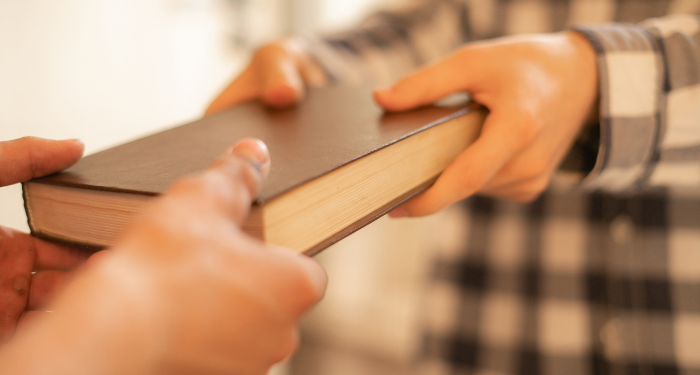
602, 280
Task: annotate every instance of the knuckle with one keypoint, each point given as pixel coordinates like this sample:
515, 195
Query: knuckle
527, 126
241, 173
540, 185
285, 347
305, 287
526, 197
27, 141
202, 188
231, 182
533, 190
468, 183
186, 185
31, 156
539, 165
535, 169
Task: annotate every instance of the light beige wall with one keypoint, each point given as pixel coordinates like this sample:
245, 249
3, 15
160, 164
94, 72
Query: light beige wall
105, 71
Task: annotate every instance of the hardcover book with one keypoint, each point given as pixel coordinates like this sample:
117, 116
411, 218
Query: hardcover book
338, 163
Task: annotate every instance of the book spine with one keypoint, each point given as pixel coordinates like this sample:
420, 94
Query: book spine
26, 208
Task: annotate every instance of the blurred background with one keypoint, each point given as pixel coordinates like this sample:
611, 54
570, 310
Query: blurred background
108, 71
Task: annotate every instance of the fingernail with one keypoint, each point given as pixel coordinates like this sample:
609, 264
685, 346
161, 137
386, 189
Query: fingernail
398, 212
78, 141
254, 150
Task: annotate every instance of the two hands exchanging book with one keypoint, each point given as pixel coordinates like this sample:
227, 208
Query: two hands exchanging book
539, 90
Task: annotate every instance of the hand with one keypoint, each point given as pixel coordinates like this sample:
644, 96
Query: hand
539, 89
23, 295
277, 74
184, 291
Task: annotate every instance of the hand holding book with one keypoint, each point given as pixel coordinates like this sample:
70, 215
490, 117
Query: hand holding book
540, 89
278, 74
183, 290
23, 293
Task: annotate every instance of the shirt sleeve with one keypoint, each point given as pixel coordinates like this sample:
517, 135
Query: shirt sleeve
649, 76
392, 43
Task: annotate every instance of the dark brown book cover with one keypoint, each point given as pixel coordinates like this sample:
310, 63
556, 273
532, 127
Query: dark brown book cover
331, 128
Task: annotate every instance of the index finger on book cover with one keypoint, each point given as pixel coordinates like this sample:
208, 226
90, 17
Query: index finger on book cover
25, 158
228, 186
454, 74
244, 168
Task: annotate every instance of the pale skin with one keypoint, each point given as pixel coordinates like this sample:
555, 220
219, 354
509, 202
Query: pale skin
24, 296
540, 90
184, 291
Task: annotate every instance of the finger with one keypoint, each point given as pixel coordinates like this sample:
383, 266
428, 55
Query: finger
299, 282
45, 285
281, 79
522, 191
312, 279
16, 262
51, 256
242, 89
528, 174
228, 186
29, 157
311, 73
256, 152
429, 84
500, 139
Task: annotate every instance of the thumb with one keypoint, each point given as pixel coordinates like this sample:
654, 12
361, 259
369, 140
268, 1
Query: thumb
427, 85
282, 83
29, 157
272, 76
228, 186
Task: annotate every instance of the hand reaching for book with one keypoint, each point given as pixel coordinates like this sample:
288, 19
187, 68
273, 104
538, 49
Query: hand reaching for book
540, 89
183, 291
278, 74
23, 293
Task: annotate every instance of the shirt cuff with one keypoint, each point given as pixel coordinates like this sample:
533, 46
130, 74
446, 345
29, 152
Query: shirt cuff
630, 73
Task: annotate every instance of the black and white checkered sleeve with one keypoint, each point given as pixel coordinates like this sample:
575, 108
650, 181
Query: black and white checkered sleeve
649, 103
392, 43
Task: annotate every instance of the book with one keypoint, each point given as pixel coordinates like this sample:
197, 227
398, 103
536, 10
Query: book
339, 162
